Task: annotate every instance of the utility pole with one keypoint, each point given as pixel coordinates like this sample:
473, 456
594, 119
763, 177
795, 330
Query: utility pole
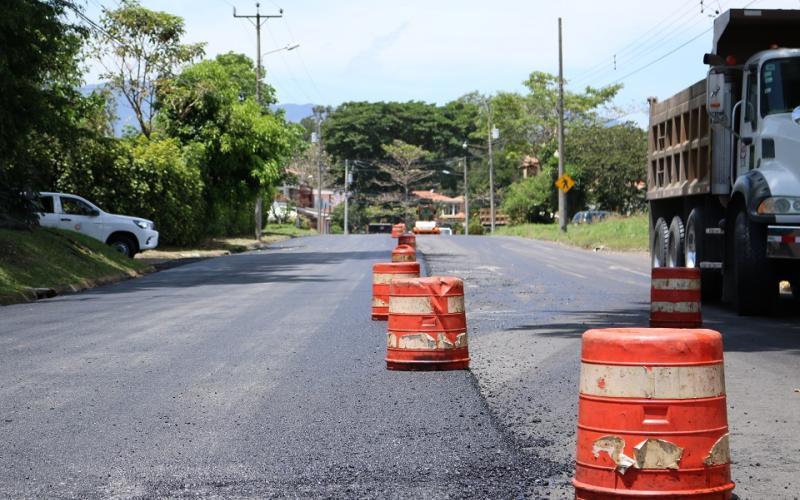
562, 196
258, 215
493, 134
466, 198
346, 195
318, 140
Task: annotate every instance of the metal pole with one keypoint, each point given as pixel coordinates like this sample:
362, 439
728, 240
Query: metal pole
346, 196
491, 173
562, 196
320, 225
466, 200
259, 206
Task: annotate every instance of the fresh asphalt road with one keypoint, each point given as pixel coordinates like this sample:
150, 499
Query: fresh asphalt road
528, 303
261, 375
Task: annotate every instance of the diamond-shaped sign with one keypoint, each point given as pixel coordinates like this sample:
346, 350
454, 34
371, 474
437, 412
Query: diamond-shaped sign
565, 183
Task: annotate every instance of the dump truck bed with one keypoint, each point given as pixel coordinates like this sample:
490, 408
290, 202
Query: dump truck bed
679, 158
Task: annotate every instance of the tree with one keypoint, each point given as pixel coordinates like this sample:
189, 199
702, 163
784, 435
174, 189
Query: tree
403, 171
140, 49
531, 199
613, 163
39, 78
242, 146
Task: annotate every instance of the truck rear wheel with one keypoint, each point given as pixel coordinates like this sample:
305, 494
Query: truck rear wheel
659, 246
755, 288
695, 252
675, 256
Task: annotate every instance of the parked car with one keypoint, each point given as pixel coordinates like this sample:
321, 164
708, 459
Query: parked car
590, 216
128, 235
445, 230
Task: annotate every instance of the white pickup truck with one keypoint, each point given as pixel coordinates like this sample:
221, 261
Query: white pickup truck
128, 235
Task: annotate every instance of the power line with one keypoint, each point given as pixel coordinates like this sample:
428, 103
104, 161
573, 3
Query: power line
636, 41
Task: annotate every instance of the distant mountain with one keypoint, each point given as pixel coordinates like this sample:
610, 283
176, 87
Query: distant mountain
127, 118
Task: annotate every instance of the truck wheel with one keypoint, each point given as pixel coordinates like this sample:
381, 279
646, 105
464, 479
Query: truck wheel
123, 244
659, 246
754, 287
695, 253
675, 256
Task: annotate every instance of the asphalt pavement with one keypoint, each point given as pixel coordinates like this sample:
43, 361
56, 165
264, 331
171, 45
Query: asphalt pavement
261, 375
528, 302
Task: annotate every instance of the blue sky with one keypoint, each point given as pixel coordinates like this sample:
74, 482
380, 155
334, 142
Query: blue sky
438, 50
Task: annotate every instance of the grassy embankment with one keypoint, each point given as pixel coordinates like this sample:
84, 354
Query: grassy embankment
216, 247
58, 260
617, 233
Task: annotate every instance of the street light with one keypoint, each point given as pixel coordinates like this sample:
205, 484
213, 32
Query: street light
287, 48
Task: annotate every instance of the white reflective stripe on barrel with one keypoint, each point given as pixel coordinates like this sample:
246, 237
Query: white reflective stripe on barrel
675, 307
410, 305
385, 279
654, 382
676, 284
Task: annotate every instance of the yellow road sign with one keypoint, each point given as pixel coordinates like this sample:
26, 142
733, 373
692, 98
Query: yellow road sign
565, 183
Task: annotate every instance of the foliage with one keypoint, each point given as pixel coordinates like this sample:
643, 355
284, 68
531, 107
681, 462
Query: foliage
475, 228
240, 145
531, 199
616, 233
39, 77
612, 161
146, 178
140, 49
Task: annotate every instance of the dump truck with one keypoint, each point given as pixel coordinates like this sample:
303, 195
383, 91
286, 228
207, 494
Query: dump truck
723, 173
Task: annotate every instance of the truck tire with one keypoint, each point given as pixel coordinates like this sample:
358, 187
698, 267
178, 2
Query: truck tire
123, 244
659, 246
675, 253
695, 252
755, 289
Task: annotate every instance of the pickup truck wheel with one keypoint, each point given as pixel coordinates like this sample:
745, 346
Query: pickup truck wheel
659, 246
675, 254
124, 245
755, 288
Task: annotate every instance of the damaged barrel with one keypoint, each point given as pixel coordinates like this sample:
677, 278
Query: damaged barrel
404, 253
427, 325
382, 275
675, 298
652, 417
409, 239
398, 229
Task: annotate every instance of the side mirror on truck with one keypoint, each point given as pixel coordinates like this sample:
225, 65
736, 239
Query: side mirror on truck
796, 115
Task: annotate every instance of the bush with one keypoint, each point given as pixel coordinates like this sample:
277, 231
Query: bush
475, 227
140, 177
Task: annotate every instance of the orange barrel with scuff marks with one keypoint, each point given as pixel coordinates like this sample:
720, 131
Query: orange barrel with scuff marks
398, 229
427, 325
409, 239
404, 253
382, 275
652, 419
675, 298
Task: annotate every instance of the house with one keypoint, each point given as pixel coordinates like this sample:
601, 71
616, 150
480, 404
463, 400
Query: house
448, 211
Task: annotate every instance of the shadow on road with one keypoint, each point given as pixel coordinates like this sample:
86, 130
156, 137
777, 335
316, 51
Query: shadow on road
780, 332
282, 265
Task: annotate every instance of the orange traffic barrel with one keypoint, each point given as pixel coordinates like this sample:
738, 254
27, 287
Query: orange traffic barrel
382, 275
404, 253
398, 230
427, 325
675, 298
409, 239
652, 417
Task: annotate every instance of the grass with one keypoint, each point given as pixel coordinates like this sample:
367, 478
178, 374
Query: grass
616, 233
51, 258
214, 247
